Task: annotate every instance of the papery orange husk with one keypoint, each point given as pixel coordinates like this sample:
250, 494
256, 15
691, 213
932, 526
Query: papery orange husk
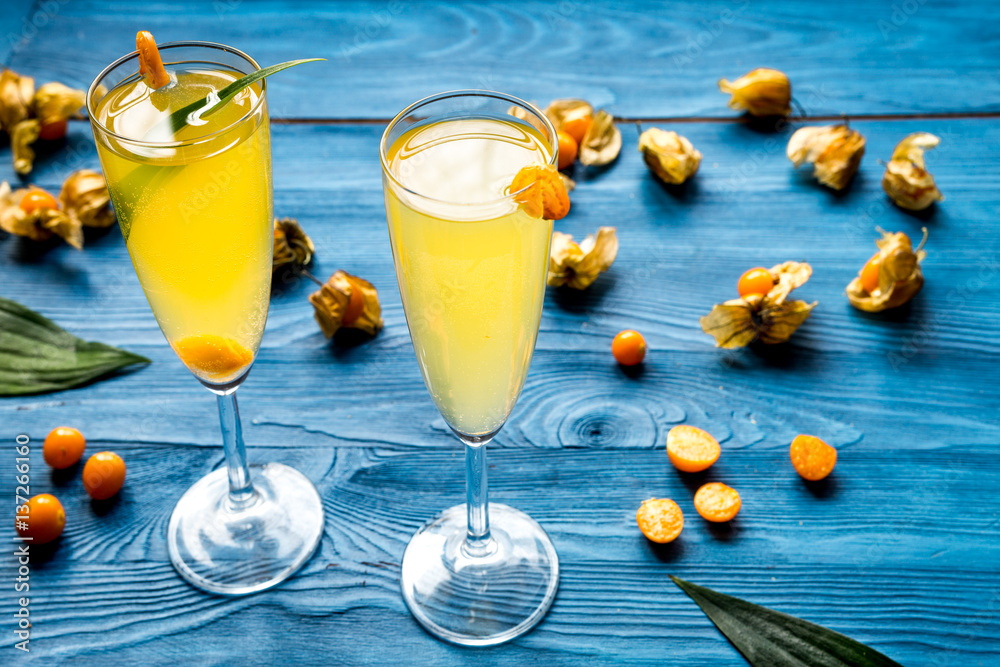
578, 265
292, 247
54, 102
769, 319
22, 136
899, 274
39, 225
331, 303
835, 152
906, 179
16, 93
85, 198
761, 92
669, 155
602, 142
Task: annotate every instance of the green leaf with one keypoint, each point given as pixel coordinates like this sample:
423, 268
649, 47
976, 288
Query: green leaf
214, 101
37, 356
768, 638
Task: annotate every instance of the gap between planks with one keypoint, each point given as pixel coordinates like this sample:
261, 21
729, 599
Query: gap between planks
686, 119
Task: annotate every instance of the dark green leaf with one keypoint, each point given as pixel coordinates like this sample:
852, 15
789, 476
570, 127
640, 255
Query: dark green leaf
37, 356
212, 102
768, 638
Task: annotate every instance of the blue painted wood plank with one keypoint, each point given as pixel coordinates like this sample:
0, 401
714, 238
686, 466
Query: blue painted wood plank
638, 59
19, 23
898, 550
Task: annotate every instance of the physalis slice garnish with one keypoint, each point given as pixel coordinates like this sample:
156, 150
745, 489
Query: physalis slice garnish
578, 265
769, 318
906, 179
541, 192
891, 277
835, 152
347, 301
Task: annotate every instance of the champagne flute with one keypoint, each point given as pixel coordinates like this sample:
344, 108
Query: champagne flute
471, 268
195, 209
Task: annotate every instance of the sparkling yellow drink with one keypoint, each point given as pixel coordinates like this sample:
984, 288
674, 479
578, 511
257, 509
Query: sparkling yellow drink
471, 265
196, 213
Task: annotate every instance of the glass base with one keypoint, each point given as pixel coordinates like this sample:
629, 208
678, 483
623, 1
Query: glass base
483, 599
238, 550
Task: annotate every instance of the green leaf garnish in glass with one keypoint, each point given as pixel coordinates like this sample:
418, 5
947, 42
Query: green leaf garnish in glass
37, 356
769, 638
213, 101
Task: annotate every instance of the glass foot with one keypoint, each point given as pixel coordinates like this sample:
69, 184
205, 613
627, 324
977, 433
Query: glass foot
239, 550
480, 599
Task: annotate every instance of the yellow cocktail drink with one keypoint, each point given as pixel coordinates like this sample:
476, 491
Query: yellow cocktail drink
470, 263
196, 214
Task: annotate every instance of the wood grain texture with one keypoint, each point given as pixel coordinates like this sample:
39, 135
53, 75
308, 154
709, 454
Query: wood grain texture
638, 59
899, 549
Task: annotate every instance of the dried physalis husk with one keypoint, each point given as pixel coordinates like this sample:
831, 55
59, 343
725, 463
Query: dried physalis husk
891, 277
669, 155
906, 180
347, 301
85, 198
292, 247
571, 116
16, 93
578, 265
762, 92
22, 136
602, 142
54, 103
39, 224
835, 152
770, 318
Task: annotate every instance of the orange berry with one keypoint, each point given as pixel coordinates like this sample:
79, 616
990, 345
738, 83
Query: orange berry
577, 126
755, 281
717, 502
567, 149
63, 447
37, 199
54, 130
812, 458
44, 520
660, 519
355, 306
629, 348
691, 449
869, 274
103, 475
544, 193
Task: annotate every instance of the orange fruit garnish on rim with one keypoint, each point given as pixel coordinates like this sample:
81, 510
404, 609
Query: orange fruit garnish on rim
546, 197
150, 61
214, 356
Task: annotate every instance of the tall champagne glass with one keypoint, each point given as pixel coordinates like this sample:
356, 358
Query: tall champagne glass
195, 209
471, 268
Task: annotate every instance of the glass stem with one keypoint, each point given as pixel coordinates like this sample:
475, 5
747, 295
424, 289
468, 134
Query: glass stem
241, 492
478, 540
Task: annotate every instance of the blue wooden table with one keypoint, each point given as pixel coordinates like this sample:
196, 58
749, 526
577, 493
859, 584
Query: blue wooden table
900, 549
